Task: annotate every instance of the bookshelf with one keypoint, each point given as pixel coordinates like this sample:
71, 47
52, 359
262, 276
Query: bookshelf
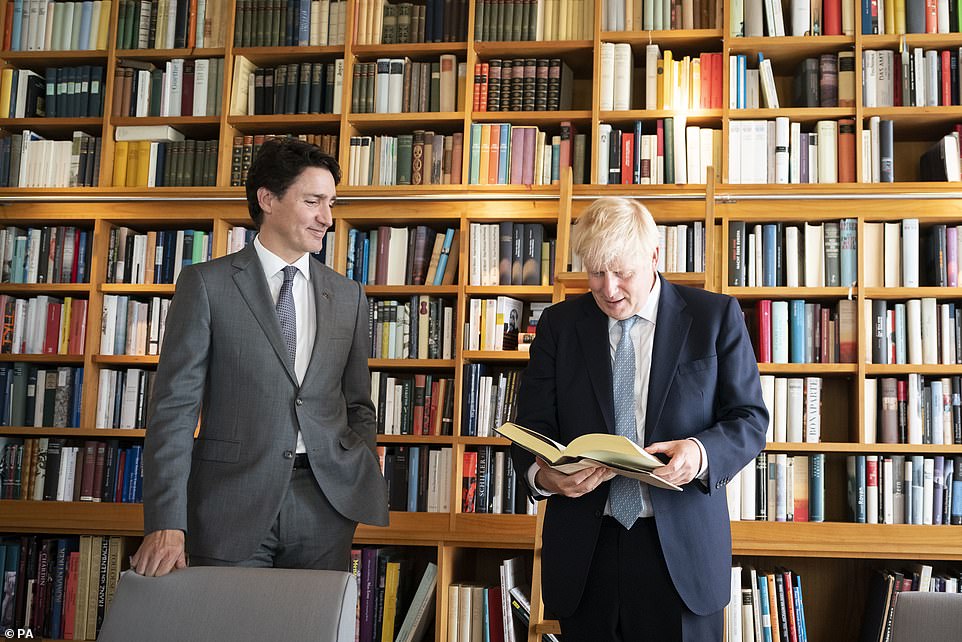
837, 555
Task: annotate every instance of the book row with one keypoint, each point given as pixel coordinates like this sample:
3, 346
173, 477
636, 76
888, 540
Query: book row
182, 163
393, 603
794, 408
419, 328
884, 587
920, 78
190, 87
418, 404
259, 23
61, 470
505, 154
155, 256
122, 397
40, 397
49, 254
478, 612
43, 325
396, 85
811, 255
900, 489
489, 484
56, 26
27, 159
765, 607
669, 83
903, 254
419, 158
58, 587
418, 478
245, 148
826, 155
417, 255
917, 331
398, 23
669, 153
522, 84
489, 398
647, 15
498, 324
171, 24
132, 327
60, 92
508, 253
826, 81
514, 20
910, 17
797, 331
755, 18
777, 487
297, 88
913, 409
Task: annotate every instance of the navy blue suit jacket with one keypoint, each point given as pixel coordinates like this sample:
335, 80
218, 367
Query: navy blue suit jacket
703, 383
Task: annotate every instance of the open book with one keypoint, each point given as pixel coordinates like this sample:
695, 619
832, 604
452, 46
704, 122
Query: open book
618, 453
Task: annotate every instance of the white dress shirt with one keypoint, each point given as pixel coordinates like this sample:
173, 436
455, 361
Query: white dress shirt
304, 308
642, 338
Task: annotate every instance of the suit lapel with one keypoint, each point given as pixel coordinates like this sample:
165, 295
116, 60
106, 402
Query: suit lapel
324, 313
249, 277
592, 331
671, 332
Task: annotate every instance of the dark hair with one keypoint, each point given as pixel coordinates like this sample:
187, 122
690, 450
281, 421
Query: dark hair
278, 164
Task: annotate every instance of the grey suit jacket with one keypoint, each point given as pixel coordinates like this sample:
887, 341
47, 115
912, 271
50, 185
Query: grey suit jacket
224, 360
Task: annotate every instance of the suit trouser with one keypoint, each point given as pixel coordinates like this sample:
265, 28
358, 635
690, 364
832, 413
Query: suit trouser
308, 532
629, 595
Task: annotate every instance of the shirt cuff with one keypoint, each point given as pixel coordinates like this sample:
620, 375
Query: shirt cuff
535, 489
703, 469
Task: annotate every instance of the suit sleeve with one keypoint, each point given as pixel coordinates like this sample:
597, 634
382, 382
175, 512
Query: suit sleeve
738, 434
175, 404
537, 400
356, 382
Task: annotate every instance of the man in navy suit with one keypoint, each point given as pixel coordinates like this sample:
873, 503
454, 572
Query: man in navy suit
622, 560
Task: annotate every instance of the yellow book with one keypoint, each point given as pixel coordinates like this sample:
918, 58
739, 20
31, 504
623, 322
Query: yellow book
132, 161
391, 577
65, 325
485, 153
619, 453
899, 16
104, 27
667, 79
143, 163
539, 158
694, 85
120, 164
563, 12
660, 83
6, 83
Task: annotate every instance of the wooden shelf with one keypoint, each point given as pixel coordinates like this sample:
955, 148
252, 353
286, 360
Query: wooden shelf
697, 40
495, 355
546, 119
823, 369
152, 289
428, 440
37, 60
485, 530
55, 289
804, 115
163, 55
57, 128
789, 49
80, 433
700, 117
271, 56
406, 528
412, 119
83, 518
65, 359
917, 123
409, 364
126, 360
410, 290
832, 539
414, 50
533, 291
746, 293
903, 369
913, 293
923, 40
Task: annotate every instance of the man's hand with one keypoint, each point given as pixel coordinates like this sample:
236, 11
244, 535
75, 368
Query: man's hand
685, 460
573, 485
160, 553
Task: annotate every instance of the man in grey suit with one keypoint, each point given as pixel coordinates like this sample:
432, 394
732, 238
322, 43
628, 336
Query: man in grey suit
269, 348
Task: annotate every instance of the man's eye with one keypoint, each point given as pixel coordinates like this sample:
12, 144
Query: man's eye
311, 203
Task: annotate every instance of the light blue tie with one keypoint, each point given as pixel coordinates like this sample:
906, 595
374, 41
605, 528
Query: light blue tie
286, 312
625, 493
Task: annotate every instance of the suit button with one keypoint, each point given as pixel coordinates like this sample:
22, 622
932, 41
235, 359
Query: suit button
288, 454
598, 514
299, 401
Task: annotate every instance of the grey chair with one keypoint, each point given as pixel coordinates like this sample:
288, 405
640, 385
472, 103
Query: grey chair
925, 617
233, 604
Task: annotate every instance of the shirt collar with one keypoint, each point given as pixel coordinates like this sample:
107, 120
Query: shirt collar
272, 264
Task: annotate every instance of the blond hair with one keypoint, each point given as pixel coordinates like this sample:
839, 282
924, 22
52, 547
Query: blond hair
612, 229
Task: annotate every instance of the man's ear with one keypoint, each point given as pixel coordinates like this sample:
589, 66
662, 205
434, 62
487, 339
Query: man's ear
654, 259
264, 199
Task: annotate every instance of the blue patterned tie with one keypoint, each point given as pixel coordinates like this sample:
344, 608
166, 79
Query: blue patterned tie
625, 493
286, 313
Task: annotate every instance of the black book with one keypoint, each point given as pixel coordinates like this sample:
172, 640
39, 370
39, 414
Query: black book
180, 28
280, 88
290, 101
316, 88
52, 475
259, 90
304, 87
806, 84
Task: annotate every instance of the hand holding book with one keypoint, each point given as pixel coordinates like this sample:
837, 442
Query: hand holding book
615, 452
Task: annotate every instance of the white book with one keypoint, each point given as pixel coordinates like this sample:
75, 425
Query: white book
801, 17
338, 81
796, 410
870, 427
930, 332
604, 133
201, 78
652, 54
735, 137
814, 256
813, 409
914, 330
607, 82
910, 252
768, 395
791, 257
893, 249
827, 131
382, 86
782, 162
888, 491
779, 331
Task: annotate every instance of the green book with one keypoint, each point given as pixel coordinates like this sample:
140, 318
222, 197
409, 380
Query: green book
435, 104
405, 150
122, 10
669, 151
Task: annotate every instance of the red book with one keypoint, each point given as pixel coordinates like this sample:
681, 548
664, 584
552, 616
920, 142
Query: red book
417, 418
87, 473
8, 27
786, 579
827, 350
946, 76
51, 343
476, 98
627, 157
846, 150
78, 326
931, 16
121, 475
74, 276
496, 623
187, 90
438, 400
483, 99
567, 139
716, 81
765, 331
469, 481
70, 595
432, 424
98, 487
832, 18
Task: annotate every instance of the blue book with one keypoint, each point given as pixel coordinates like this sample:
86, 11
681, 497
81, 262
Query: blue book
860, 489
59, 584
799, 609
86, 12
869, 24
351, 243
443, 259
304, 24
769, 243
741, 62
956, 511
414, 457
636, 161
17, 26
848, 251
816, 488
365, 260
78, 382
475, 159
765, 608
796, 331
